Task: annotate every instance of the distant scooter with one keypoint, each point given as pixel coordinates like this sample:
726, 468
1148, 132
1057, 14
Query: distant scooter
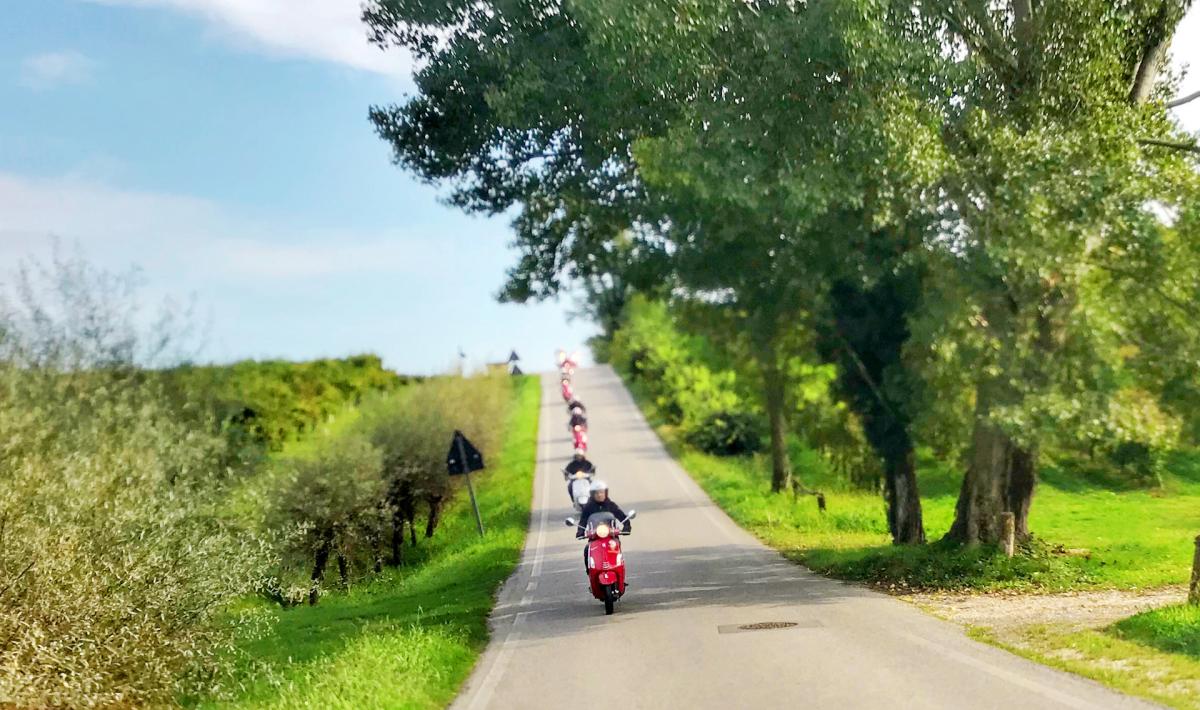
606, 563
579, 434
578, 484
568, 394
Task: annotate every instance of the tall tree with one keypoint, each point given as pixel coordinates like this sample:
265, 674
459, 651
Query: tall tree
1047, 180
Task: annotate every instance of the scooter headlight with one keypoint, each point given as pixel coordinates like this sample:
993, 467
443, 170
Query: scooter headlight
602, 530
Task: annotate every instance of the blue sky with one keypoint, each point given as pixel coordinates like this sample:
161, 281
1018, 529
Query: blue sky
222, 146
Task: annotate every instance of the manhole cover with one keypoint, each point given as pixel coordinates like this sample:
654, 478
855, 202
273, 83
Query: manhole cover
764, 625
767, 626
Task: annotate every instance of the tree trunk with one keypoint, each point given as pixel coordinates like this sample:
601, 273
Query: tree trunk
343, 570
375, 540
397, 537
1158, 40
781, 466
904, 501
984, 493
1194, 587
318, 572
1022, 479
435, 515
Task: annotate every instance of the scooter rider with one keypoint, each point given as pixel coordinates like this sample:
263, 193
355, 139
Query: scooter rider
599, 502
579, 463
577, 466
578, 418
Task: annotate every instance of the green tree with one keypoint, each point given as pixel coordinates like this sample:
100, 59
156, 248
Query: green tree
1048, 184
335, 497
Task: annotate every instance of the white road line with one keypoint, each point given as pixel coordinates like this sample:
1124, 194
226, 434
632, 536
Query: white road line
539, 550
487, 687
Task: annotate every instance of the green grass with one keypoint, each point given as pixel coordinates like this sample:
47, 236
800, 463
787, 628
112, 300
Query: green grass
1174, 629
1111, 657
409, 638
1089, 533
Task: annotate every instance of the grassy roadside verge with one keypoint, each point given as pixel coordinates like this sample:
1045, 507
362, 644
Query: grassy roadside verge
1110, 656
1097, 535
1094, 534
409, 638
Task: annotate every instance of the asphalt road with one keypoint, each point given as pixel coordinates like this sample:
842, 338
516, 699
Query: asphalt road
694, 578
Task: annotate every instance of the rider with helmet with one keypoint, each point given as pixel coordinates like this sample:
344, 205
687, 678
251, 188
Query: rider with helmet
578, 418
578, 468
599, 502
579, 463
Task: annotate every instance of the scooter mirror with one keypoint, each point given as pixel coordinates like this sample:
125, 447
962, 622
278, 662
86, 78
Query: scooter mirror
632, 514
570, 522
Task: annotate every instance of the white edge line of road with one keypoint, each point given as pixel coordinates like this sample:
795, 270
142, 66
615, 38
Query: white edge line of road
487, 687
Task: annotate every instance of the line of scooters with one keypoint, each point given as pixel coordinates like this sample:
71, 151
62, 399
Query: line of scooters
602, 530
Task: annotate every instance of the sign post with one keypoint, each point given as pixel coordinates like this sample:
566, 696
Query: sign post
462, 459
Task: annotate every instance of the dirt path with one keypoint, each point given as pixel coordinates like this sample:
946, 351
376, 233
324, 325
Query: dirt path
1005, 614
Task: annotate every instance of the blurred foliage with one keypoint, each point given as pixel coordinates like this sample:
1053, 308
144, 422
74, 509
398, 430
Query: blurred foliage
274, 401
118, 563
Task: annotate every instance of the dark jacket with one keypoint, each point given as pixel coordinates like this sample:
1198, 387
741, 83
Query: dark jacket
577, 465
593, 507
577, 419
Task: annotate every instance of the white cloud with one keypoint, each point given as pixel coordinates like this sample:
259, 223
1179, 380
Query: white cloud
329, 30
193, 242
52, 69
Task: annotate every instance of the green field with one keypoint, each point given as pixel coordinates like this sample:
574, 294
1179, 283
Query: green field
1088, 532
408, 638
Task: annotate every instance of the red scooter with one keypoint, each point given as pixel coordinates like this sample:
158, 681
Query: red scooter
606, 563
579, 433
567, 393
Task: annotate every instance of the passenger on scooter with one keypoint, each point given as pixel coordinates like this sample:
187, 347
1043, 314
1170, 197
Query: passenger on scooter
578, 418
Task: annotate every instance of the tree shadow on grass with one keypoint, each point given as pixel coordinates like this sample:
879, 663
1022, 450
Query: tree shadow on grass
1174, 629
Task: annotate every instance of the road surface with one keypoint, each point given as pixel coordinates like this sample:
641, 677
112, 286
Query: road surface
695, 577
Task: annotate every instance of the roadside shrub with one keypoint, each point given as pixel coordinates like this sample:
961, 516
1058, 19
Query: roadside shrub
335, 498
727, 434
117, 567
650, 348
413, 429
